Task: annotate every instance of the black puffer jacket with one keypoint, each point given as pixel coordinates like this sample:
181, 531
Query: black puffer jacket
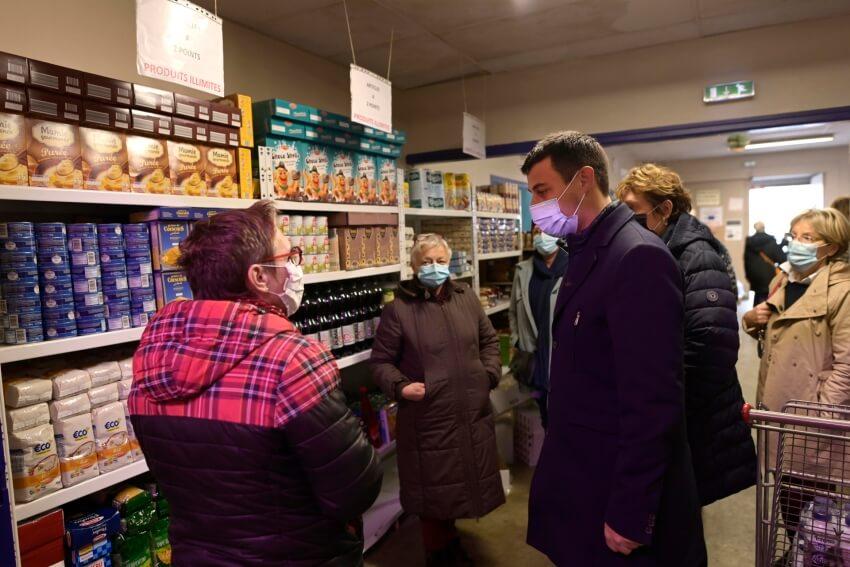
721, 444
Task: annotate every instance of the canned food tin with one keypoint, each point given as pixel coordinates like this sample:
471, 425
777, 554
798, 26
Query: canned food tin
88, 300
25, 275
92, 285
322, 225
89, 258
307, 265
82, 229
24, 336
91, 326
111, 243
140, 282
59, 286
16, 229
20, 290
85, 272
54, 274
309, 227
115, 283
284, 222
76, 244
97, 311
296, 225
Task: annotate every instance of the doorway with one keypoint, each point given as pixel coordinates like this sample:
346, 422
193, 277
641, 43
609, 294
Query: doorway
775, 201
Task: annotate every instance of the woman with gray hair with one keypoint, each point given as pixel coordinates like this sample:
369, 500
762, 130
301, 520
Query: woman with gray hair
437, 354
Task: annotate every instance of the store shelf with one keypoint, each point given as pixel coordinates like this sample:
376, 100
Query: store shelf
61, 497
499, 255
486, 215
61, 346
323, 277
499, 307
463, 276
333, 207
43, 194
437, 213
357, 358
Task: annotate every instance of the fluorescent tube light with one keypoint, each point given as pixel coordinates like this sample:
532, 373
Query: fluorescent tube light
790, 142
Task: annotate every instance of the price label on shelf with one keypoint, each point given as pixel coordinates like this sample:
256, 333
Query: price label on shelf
180, 42
474, 136
371, 99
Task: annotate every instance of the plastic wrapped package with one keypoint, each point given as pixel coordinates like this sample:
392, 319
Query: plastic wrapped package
76, 447
69, 382
126, 365
35, 463
102, 395
27, 417
113, 443
131, 434
72, 405
104, 373
21, 392
124, 387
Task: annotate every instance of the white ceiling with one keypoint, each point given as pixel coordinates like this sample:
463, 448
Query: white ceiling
439, 40
715, 146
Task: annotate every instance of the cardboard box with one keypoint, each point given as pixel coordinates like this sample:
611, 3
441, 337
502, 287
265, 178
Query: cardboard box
280, 128
52, 554
187, 165
225, 114
246, 180
13, 149
153, 100
382, 248
149, 123
103, 116
370, 251
166, 237
287, 160
171, 286
53, 154
170, 214
387, 182
435, 191
232, 136
13, 69
463, 191
190, 130
246, 129
365, 179
221, 173
54, 78
52, 106
352, 248
354, 218
279, 108
317, 173
41, 531
13, 99
337, 121
107, 91
342, 175
148, 165
223, 135
191, 107
104, 159
265, 173
417, 181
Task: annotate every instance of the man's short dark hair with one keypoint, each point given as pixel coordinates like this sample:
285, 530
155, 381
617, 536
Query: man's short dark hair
570, 151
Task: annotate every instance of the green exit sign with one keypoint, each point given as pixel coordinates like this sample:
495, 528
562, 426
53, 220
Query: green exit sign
729, 91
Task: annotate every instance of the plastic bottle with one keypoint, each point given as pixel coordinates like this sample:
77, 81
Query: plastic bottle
844, 542
823, 530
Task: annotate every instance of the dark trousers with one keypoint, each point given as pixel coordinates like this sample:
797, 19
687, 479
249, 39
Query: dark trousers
437, 534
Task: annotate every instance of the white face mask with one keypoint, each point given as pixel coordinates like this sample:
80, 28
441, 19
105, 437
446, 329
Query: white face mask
293, 289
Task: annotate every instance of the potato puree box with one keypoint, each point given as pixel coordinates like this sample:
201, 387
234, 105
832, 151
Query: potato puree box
246, 126
13, 68
12, 99
171, 286
365, 179
55, 78
221, 175
317, 173
104, 156
342, 176
13, 149
153, 99
187, 164
53, 154
166, 237
148, 165
150, 123
53, 106
106, 90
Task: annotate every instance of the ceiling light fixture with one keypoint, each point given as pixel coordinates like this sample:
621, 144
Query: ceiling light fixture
789, 142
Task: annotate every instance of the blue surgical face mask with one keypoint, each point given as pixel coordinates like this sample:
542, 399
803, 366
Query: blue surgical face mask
433, 275
545, 244
802, 256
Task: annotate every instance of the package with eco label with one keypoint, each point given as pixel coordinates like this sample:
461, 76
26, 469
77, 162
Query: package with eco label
113, 443
75, 441
35, 464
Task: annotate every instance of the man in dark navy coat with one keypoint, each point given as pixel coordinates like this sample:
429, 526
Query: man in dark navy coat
614, 484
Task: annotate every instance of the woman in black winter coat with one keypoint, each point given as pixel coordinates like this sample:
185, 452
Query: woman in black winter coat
722, 447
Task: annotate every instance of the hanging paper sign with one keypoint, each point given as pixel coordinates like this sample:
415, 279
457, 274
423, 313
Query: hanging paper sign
371, 100
180, 42
474, 136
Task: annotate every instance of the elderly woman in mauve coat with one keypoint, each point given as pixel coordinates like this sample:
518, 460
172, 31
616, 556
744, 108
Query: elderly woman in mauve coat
436, 353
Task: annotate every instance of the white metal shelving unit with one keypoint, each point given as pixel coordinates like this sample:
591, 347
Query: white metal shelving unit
498, 308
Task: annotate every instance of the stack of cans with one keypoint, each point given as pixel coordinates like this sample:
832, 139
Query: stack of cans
137, 247
54, 276
86, 278
20, 308
116, 291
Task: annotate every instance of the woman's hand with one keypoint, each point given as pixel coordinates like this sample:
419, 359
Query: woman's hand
414, 392
758, 316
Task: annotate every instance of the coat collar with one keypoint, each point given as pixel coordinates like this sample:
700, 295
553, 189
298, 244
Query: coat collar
814, 301
413, 290
584, 248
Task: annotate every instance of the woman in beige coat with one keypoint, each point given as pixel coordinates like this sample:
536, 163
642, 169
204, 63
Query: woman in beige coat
805, 325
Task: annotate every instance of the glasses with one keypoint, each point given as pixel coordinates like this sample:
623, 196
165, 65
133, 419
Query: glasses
804, 238
294, 256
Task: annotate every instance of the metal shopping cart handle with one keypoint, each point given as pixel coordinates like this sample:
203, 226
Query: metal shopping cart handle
800, 413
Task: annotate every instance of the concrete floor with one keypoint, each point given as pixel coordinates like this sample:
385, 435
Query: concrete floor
498, 540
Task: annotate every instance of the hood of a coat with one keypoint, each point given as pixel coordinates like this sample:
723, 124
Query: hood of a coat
685, 231
191, 345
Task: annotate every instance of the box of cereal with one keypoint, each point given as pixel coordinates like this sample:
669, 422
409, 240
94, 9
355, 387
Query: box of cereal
343, 170
287, 159
387, 187
365, 179
317, 173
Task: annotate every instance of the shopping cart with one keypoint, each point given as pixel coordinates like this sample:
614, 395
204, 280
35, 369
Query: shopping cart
803, 490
